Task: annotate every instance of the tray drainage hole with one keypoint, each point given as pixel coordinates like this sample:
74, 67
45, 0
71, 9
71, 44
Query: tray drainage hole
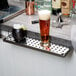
56, 49
59, 50
62, 51
63, 54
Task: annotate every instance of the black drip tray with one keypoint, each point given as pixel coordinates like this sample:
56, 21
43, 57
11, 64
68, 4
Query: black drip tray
6, 12
58, 46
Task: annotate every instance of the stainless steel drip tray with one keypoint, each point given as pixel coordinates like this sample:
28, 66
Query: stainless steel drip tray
12, 10
58, 46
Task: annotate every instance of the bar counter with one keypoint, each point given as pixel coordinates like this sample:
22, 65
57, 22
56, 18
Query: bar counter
20, 61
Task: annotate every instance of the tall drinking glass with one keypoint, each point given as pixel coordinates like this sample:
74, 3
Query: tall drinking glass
44, 13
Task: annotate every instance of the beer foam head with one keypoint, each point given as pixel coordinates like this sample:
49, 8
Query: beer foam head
44, 14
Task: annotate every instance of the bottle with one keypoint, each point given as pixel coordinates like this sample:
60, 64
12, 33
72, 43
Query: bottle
65, 7
29, 7
56, 7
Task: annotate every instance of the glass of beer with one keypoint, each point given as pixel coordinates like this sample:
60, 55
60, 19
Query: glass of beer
44, 22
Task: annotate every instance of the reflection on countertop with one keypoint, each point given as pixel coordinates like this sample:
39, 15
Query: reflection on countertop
14, 7
6, 12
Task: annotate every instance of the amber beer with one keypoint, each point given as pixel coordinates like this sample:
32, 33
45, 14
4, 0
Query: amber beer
44, 21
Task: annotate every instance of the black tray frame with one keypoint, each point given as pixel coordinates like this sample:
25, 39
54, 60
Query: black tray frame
55, 40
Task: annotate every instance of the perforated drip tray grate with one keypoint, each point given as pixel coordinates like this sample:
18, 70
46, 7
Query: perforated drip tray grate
57, 46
